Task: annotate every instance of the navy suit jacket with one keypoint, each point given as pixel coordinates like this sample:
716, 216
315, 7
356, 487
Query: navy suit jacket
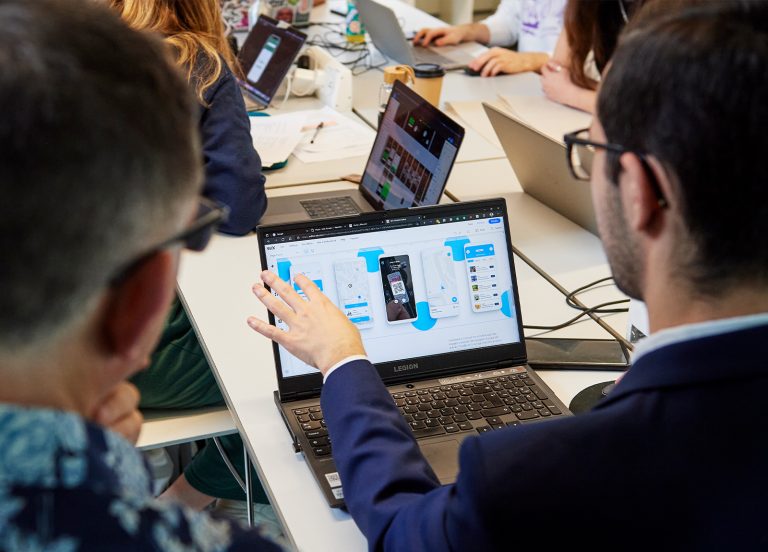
675, 457
232, 167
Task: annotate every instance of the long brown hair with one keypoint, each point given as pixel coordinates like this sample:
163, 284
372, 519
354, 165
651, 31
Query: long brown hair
594, 26
195, 30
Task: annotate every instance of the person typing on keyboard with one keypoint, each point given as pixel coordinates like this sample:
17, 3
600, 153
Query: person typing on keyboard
534, 25
664, 460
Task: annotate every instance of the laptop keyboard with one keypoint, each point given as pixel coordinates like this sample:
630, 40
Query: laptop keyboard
425, 55
330, 207
481, 406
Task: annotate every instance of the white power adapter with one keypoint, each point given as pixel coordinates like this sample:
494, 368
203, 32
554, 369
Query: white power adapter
305, 81
328, 79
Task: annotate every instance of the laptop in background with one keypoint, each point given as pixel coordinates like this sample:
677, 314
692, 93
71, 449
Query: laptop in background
412, 156
388, 37
540, 165
434, 293
266, 56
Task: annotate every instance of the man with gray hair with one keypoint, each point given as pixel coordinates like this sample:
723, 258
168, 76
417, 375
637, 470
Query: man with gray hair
100, 176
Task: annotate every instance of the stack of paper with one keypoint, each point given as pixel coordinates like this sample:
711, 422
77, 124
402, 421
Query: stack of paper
275, 138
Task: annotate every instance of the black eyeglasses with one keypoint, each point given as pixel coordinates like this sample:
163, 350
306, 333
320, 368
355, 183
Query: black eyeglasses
580, 152
195, 237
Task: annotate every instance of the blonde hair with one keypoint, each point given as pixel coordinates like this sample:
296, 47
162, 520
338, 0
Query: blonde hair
195, 30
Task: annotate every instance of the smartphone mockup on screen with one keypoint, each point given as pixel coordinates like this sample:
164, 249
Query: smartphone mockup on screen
440, 277
397, 285
483, 276
313, 271
354, 293
264, 57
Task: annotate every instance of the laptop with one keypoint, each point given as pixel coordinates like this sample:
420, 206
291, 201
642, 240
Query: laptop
412, 156
388, 37
266, 56
540, 165
434, 294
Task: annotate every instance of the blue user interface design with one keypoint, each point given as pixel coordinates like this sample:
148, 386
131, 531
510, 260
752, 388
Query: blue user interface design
411, 291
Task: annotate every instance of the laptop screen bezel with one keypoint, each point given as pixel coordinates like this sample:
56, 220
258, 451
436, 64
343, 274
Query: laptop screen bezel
392, 372
401, 88
250, 86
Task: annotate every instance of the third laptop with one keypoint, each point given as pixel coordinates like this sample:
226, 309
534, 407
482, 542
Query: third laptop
384, 29
411, 159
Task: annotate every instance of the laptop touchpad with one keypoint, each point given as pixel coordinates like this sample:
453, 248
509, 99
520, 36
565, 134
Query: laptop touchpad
444, 459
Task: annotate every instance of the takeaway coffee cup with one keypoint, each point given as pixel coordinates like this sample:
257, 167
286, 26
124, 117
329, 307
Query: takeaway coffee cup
429, 81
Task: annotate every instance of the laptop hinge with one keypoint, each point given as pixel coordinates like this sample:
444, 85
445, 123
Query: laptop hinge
297, 396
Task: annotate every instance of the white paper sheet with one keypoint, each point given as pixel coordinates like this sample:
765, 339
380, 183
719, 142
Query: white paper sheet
340, 137
276, 137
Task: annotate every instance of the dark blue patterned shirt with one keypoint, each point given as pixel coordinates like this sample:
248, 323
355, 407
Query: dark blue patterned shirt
66, 485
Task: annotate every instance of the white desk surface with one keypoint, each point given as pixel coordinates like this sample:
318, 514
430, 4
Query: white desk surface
215, 288
163, 428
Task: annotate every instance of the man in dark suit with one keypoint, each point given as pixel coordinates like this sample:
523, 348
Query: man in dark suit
677, 455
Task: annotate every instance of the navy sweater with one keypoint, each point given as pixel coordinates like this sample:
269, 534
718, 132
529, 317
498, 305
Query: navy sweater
232, 166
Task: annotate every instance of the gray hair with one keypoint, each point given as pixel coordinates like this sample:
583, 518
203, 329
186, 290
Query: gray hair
99, 153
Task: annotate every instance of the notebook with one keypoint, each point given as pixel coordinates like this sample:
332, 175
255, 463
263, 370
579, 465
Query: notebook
388, 37
541, 168
265, 57
412, 156
434, 294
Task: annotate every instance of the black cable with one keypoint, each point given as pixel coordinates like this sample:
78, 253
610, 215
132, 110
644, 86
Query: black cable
334, 41
585, 312
625, 345
570, 299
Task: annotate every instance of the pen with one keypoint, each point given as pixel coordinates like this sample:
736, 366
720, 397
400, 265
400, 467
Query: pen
317, 131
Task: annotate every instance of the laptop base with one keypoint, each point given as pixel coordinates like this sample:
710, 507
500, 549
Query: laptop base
479, 402
290, 208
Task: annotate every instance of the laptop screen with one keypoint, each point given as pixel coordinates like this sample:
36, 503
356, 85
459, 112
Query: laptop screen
266, 56
413, 153
431, 283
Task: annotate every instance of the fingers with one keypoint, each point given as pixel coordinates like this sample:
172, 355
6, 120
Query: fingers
129, 426
491, 68
429, 35
274, 304
309, 288
268, 330
122, 401
119, 411
283, 289
478, 63
419, 36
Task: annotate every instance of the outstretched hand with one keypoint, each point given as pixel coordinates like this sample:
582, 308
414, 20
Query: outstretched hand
318, 332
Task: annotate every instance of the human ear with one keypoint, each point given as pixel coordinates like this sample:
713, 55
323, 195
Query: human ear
639, 189
136, 309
